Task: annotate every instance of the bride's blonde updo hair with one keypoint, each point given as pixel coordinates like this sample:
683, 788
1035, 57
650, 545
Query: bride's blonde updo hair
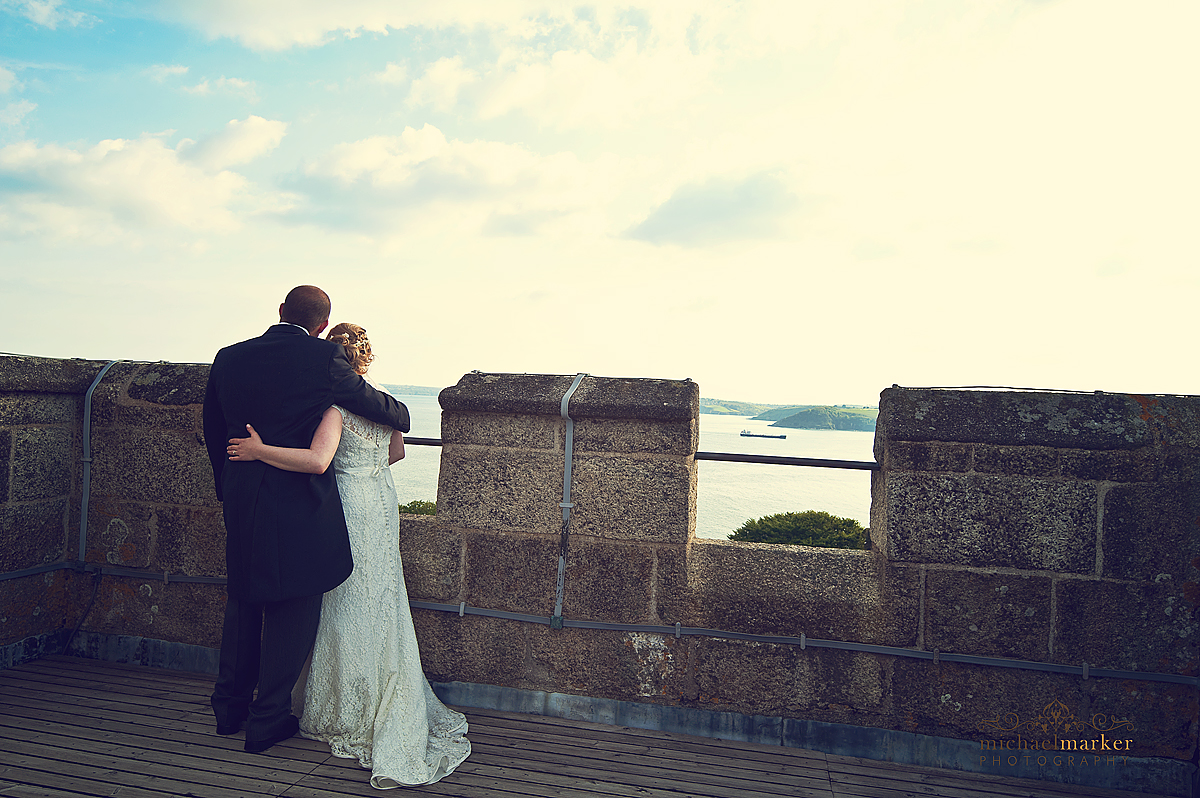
354, 339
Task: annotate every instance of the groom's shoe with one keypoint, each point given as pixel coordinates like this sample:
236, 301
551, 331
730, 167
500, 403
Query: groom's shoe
256, 745
228, 728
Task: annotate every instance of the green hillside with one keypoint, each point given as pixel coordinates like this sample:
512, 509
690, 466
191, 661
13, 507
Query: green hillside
843, 418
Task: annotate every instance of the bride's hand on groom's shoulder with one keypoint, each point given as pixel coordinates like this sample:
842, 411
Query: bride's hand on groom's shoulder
245, 449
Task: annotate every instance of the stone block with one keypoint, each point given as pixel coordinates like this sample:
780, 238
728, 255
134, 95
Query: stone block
21, 409
1137, 465
828, 685
636, 436
34, 533
178, 612
908, 456
23, 374
1025, 461
1151, 531
151, 465
596, 397
432, 554
995, 615
169, 383
472, 649
512, 573
608, 581
831, 594
1136, 627
40, 604
42, 463
5, 463
162, 538
1014, 418
486, 488
503, 430
973, 702
980, 520
624, 498
141, 417
110, 392
672, 595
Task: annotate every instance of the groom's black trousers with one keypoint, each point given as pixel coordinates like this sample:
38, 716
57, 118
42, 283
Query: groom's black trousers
263, 646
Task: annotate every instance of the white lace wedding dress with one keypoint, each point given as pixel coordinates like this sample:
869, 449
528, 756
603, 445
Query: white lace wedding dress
366, 694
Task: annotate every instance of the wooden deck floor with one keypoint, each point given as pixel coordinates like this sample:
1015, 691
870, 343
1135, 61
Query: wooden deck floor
72, 727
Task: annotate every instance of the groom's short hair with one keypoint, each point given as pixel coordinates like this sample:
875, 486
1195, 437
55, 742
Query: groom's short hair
307, 306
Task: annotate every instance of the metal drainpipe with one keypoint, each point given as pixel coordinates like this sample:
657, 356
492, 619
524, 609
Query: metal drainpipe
556, 620
87, 462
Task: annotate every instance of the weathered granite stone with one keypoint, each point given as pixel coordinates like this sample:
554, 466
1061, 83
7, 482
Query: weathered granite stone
636, 436
35, 605
164, 538
1137, 465
42, 463
170, 384
5, 462
907, 456
998, 615
432, 555
989, 704
596, 397
608, 581
1151, 626
475, 649
19, 409
513, 489
47, 375
1013, 418
672, 596
1151, 531
649, 499
1025, 461
177, 612
762, 678
512, 573
504, 430
110, 392
33, 533
140, 417
831, 594
151, 465
977, 520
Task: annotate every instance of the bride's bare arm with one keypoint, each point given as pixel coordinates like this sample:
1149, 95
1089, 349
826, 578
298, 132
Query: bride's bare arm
313, 460
396, 447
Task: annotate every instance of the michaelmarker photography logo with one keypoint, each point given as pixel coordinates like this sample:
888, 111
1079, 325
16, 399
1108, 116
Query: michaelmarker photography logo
1055, 737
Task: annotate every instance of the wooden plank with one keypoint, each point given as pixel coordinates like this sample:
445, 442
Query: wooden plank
849, 770
669, 753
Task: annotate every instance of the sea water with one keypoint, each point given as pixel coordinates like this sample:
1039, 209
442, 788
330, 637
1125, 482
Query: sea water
728, 494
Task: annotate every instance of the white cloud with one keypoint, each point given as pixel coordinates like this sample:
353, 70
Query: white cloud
48, 13
8, 81
441, 83
719, 210
119, 189
14, 113
224, 85
420, 179
240, 142
160, 72
392, 75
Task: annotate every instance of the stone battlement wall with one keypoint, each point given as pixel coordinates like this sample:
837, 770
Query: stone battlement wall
1048, 528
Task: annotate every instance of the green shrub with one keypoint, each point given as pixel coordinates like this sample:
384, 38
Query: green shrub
809, 528
418, 507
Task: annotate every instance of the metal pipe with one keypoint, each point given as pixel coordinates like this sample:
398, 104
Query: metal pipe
565, 504
87, 461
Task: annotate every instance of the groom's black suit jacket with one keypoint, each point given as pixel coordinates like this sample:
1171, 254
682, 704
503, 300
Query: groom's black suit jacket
285, 531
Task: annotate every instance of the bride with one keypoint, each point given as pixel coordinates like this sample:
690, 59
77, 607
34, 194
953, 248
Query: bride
366, 694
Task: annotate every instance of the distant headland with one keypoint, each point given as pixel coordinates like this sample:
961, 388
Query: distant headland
839, 417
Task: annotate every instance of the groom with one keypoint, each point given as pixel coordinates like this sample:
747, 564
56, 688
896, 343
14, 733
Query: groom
286, 542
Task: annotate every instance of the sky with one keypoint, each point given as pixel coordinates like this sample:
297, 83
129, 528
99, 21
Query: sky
786, 202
